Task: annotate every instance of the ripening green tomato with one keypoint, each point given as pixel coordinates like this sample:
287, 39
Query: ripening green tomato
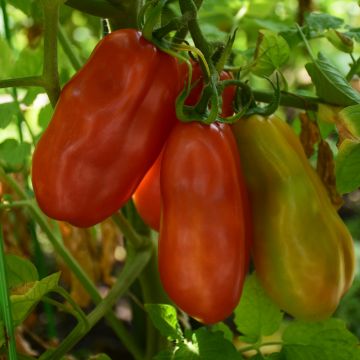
302, 251
202, 245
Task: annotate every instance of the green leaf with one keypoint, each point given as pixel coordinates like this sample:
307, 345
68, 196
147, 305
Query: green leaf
13, 154
350, 117
165, 320
206, 345
164, 355
330, 84
19, 271
8, 113
29, 295
29, 63
220, 326
271, 53
6, 59
320, 22
23, 5
275, 356
327, 340
347, 166
353, 33
340, 40
45, 115
256, 315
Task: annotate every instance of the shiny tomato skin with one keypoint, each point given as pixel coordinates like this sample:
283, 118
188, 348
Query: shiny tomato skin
109, 126
202, 244
147, 196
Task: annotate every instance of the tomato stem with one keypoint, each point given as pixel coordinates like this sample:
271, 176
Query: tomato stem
51, 230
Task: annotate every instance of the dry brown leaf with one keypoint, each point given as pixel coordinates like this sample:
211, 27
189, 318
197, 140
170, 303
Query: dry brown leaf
310, 134
325, 167
84, 249
111, 239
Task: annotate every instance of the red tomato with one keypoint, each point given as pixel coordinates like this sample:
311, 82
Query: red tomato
109, 126
227, 95
202, 244
147, 195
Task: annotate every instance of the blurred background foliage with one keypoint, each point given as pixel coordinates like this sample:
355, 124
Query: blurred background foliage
21, 54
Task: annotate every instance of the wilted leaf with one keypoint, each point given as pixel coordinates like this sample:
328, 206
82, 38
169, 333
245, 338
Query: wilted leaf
310, 134
325, 167
82, 246
341, 41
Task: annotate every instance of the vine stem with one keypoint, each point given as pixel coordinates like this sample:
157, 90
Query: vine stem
68, 49
6, 304
50, 67
63, 252
291, 100
133, 267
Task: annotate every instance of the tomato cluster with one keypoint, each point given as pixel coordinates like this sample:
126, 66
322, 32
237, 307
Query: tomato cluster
114, 134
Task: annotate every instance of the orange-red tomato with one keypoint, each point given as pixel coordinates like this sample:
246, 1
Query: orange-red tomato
147, 195
202, 244
110, 124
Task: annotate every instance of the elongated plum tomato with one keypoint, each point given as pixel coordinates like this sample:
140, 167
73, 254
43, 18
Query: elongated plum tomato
109, 126
202, 245
303, 253
147, 195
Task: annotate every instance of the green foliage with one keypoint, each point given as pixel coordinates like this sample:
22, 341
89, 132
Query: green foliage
256, 315
26, 297
328, 340
19, 271
347, 166
8, 112
164, 318
13, 154
330, 85
271, 53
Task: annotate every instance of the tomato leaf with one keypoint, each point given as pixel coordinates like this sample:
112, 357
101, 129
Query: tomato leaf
330, 84
350, 118
13, 154
164, 355
19, 271
272, 51
8, 113
327, 340
320, 22
347, 166
256, 315
28, 295
6, 59
220, 326
164, 318
207, 345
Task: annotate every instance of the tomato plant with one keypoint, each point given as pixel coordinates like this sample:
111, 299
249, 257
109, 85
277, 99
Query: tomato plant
256, 238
